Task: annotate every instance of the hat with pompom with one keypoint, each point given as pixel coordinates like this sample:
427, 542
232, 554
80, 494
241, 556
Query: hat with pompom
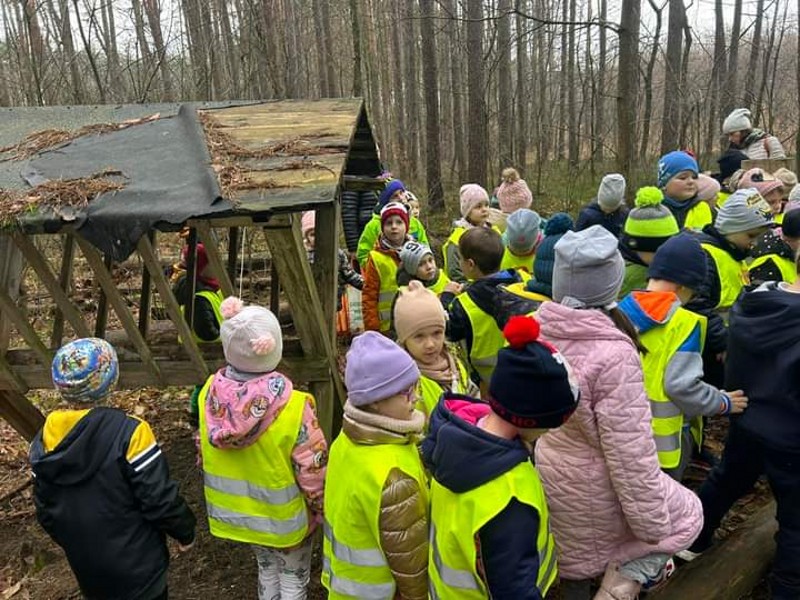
707, 187
251, 337
85, 370
650, 223
471, 195
532, 386
513, 192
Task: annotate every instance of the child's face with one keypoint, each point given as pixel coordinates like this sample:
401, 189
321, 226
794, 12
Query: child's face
469, 269
775, 201
394, 229
745, 240
479, 214
426, 345
682, 187
400, 406
398, 196
427, 268
413, 208
308, 239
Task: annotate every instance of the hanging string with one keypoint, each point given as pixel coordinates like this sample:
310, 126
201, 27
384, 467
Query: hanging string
241, 268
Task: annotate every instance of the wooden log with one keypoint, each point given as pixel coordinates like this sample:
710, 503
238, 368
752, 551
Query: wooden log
23, 416
11, 266
64, 278
732, 568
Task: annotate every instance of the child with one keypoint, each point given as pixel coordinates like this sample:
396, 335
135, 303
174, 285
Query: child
648, 225
677, 178
380, 273
102, 489
729, 163
522, 235
419, 322
611, 507
709, 190
788, 179
490, 532
773, 254
474, 202
554, 230
770, 188
608, 209
395, 191
263, 453
673, 363
207, 295
513, 192
473, 312
376, 493
417, 264
413, 205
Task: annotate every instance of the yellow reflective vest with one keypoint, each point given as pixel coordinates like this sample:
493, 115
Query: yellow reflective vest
441, 282
787, 267
733, 276
429, 391
251, 493
487, 339
453, 238
662, 343
457, 518
387, 271
522, 264
353, 563
698, 217
215, 300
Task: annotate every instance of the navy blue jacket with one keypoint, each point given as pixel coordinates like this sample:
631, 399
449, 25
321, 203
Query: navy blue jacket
592, 214
764, 360
462, 457
554, 230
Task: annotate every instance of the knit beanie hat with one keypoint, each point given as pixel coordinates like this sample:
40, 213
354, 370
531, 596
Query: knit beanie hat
611, 194
394, 186
542, 281
411, 254
707, 187
673, 163
532, 385
730, 162
758, 179
377, 369
786, 177
523, 231
308, 222
589, 268
791, 224
650, 223
470, 195
738, 120
251, 337
680, 260
794, 195
744, 210
415, 309
513, 192
394, 209
85, 370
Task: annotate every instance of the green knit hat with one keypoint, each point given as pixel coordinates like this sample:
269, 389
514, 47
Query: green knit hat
650, 223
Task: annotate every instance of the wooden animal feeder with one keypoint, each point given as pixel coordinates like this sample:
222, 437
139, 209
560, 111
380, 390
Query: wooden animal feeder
102, 185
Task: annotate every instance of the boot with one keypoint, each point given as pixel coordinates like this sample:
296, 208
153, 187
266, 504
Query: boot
616, 586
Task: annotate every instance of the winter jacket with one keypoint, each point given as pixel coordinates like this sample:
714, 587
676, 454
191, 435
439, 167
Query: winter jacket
204, 319
462, 457
764, 360
103, 493
372, 231
554, 230
371, 291
635, 272
241, 407
759, 145
681, 209
592, 214
769, 243
347, 276
608, 498
356, 213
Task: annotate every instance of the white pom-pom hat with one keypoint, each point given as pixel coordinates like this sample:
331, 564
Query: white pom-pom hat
251, 337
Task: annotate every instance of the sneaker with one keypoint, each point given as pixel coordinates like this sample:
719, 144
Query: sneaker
659, 580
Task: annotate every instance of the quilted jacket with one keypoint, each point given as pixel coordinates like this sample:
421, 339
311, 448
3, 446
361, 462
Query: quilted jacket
608, 499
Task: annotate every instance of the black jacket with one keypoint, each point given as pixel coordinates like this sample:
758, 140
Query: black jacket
592, 214
769, 243
357, 210
764, 361
109, 511
205, 322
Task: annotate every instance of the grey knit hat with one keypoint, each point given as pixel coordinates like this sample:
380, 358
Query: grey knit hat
588, 269
611, 194
744, 210
412, 254
523, 231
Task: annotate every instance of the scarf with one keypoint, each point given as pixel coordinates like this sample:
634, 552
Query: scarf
385, 244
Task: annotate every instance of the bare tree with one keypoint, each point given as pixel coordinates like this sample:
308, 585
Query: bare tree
671, 116
477, 131
412, 85
572, 107
356, 32
600, 98
628, 84
521, 129
718, 76
430, 75
504, 83
456, 85
730, 95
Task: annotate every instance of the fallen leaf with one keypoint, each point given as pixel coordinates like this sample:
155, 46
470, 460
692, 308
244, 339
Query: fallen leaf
8, 593
139, 410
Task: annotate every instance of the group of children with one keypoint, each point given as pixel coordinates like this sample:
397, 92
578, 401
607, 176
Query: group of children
550, 443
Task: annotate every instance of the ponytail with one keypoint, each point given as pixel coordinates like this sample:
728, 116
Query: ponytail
623, 323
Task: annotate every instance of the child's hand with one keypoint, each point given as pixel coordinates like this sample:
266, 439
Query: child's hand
453, 287
738, 401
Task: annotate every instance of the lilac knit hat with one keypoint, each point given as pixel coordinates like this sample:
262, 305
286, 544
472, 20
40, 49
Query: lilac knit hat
377, 369
470, 195
513, 192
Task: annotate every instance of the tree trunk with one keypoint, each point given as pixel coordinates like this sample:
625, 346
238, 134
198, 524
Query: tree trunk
229, 47
600, 102
731, 96
322, 57
628, 85
718, 76
430, 74
412, 86
35, 47
373, 81
65, 33
356, 31
648, 81
327, 43
521, 129
749, 96
456, 88
477, 133
563, 81
152, 9
671, 115
572, 106
504, 84
116, 84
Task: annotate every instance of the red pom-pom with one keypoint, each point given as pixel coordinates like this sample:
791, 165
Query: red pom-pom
521, 331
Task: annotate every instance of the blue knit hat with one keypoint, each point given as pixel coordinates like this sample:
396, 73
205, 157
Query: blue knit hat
680, 260
85, 370
673, 163
394, 186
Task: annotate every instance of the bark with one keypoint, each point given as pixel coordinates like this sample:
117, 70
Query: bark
505, 139
430, 83
398, 90
110, 45
730, 92
412, 86
152, 9
35, 48
90, 55
572, 107
456, 88
373, 80
292, 50
628, 85
648, 79
356, 32
563, 82
322, 57
718, 76
671, 115
71, 58
327, 42
600, 102
521, 129
477, 133
229, 47
749, 96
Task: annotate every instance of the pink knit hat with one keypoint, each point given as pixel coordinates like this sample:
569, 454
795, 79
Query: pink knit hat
513, 193
762, 181
308, 222
707, 187
470, 195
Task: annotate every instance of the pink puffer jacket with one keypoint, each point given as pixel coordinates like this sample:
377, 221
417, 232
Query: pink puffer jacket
608, 498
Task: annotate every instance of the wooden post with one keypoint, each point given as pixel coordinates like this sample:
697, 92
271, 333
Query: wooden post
145, 297
11, 264
191, 276
233, 252
102, 305
64, 278
20, 413
214, 257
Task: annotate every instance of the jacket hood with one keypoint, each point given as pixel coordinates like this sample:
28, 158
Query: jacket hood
559, 322
484, 291
82, 451
767, 318
238, 412
647, 310
630, 255
459, 455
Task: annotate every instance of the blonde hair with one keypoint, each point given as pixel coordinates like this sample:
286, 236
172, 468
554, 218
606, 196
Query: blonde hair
510, 175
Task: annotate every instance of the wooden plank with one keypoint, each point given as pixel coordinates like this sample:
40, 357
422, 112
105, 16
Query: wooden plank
146, 293
7, 372
153, 266
214, 257
64, 279
11, 266
42, 268
191, 274
23, 416
25, 329
233, 252
101, 322
118, 303
326, 263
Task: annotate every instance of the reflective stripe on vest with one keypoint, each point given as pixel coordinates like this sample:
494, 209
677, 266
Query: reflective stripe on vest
487, 339
354, 565
215, 300
662, 342
732, 275
457, 518
518, 263
387, 272
786, 266
698, 217
251, 494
